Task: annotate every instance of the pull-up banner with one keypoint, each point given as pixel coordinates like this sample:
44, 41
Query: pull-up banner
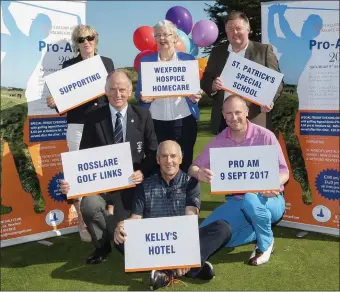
35, 41
305, 37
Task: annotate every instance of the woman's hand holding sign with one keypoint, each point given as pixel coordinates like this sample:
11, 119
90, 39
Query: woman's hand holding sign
50, 102
146, 99
195, 97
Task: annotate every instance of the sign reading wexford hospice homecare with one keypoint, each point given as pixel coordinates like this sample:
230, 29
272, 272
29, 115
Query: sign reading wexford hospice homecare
162, 243
244, 169
77, 84
96, 170
166, 79
250, 80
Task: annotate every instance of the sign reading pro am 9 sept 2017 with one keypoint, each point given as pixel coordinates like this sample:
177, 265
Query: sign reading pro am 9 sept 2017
250, 80
162, 243
96, 170
166, 79
244, 169
77, 84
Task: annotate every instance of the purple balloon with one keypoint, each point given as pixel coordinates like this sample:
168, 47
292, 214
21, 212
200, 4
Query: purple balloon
181, 17
204, 33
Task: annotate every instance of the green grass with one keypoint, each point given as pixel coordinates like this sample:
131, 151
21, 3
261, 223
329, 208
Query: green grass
311, 263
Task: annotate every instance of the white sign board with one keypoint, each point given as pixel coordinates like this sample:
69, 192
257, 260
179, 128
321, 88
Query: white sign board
77, 84
250, 80
162, 243
97, 170
244, 169
169, 79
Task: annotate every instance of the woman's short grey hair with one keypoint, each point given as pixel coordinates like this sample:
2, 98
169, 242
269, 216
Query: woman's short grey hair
82, 30
167, 25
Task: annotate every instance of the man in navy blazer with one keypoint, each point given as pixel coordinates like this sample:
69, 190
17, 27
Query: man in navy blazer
100, 130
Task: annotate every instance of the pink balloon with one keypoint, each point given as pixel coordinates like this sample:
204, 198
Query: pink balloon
138, 58
204, 33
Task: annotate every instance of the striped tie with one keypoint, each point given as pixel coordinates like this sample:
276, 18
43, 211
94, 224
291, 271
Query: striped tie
118, 129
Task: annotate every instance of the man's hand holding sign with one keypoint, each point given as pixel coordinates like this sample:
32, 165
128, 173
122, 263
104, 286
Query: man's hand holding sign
169, 241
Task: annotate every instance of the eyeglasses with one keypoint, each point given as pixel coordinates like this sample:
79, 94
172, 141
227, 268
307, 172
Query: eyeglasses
89, 38
163, 35
237, 29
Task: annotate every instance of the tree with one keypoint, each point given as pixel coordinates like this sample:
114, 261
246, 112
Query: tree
218, 12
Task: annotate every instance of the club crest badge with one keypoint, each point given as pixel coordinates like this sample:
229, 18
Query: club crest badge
139, 146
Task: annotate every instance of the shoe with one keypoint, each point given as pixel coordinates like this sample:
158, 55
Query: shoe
160, 279
207, 272
259, 258
99, 255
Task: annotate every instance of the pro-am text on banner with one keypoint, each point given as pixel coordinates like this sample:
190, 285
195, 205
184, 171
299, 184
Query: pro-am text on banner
170, 79
305, 38
35, 41
250, 80
162, 243
77, 84
100, 169
244, 169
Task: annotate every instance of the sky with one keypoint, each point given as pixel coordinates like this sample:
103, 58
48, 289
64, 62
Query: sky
116, 21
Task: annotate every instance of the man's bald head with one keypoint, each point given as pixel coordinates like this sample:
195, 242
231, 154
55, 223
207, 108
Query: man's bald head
118, 89
169, 144
235, 113
232, 98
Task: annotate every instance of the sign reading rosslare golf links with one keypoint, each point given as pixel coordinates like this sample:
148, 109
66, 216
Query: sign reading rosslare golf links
250, 80
244, 169
170, 79
97, 170
162, 243
77, 84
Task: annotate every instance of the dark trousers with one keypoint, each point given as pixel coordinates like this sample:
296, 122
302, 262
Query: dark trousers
100, 223
212, 237
183, 131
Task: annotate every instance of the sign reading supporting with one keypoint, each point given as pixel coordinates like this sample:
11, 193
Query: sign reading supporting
252, 81
170, 79
162, 243
77, 84
98, 170
244, 169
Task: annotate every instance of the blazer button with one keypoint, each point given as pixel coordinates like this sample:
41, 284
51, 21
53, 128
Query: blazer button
95, 104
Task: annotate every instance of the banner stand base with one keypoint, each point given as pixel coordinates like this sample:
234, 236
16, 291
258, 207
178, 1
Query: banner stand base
38, 236
309, 227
